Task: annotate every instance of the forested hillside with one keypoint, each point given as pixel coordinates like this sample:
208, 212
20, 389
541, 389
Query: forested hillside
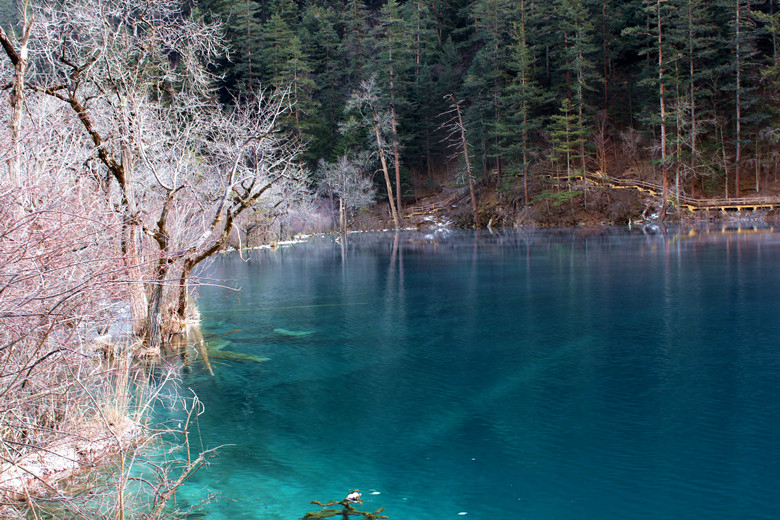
687, 86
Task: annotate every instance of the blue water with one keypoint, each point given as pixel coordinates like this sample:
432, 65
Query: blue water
537, 375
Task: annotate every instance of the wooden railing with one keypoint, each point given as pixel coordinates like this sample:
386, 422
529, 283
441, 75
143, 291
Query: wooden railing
691, 203
437, 205
599, 179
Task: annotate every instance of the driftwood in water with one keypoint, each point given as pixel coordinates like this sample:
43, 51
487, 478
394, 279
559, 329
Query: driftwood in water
346, 511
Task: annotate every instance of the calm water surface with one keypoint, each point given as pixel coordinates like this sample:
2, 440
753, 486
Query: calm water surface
511, 376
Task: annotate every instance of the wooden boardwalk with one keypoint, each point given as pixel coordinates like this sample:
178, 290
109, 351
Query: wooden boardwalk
434, 205
690, 203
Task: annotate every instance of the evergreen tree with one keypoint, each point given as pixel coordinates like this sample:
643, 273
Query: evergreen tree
437, 80
566, 138
393, 55
743, 45
422, 91
578, 66
321, 44
286, 9
770, 73
696, 37
521, 101
418, 15
657, 47
488, 76
277, 39
355, 42
246, 43
686, 72
243, 70
287, 68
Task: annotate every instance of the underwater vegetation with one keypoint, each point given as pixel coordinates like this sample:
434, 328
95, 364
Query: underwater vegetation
294, 333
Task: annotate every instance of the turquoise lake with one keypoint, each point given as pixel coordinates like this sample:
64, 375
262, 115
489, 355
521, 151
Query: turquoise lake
517, 375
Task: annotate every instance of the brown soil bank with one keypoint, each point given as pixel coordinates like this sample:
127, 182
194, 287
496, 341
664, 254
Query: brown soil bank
565, 203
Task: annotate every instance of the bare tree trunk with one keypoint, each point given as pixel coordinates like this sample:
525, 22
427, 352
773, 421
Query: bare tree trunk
138, 298
465, 147
396, 156
342, 217
663, 111
757, 161
19, 60
397, 162
691, 72
737, 50
155, 325
375, 122
387, 179
606, 58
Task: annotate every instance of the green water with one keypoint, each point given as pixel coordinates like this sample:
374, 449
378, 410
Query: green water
615, 375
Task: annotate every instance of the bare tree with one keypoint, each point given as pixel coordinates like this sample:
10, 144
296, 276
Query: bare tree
246, 164
135, 75
126, 175
106, 60
346, 180
457, 136
365, 103
17, 52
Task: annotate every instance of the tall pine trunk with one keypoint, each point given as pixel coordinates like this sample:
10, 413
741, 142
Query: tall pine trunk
396, 154
737, 57
662, 103
692, 87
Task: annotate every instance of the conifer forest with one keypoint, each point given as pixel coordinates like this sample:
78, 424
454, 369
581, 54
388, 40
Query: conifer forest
686, 86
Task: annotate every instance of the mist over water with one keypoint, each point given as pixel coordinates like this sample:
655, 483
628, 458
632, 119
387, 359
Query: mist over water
528, 375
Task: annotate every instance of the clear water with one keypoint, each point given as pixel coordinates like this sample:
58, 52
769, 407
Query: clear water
533, 376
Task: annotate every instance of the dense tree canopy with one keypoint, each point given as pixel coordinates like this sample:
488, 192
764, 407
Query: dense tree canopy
695, 80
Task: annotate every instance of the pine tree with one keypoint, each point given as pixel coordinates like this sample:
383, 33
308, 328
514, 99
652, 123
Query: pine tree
743, 45
696, 37
392, 58
578, 66
738, 70
771, 74
277, 36
355, 43
286, 9
521, 101
287, 68
422, 91
565, 137
246, 42
656, 46
321, 44
487, 77
243, 70
420, 28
